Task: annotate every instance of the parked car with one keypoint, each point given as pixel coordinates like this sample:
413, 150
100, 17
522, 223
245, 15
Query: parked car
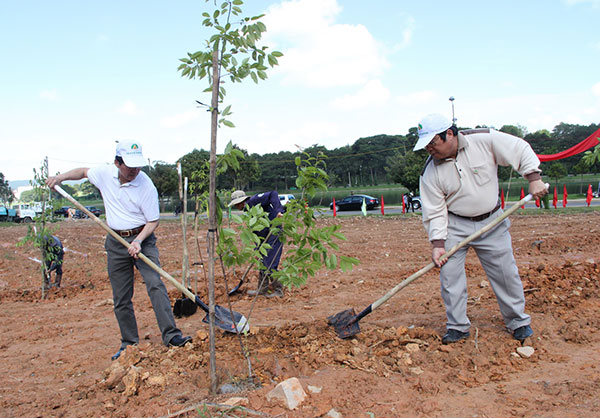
7, 214
354, 202
24, 213
416, 202
64, 212
285, 198
94, 210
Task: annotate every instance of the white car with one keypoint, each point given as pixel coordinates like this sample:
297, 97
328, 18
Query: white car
285, 198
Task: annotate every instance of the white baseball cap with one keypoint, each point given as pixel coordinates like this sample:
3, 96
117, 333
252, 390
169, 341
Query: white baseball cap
430, 126
131, 153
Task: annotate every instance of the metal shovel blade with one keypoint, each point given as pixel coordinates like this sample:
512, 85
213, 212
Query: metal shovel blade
223, 320
344, 323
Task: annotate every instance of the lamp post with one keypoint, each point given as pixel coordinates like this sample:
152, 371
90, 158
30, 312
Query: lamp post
453, 118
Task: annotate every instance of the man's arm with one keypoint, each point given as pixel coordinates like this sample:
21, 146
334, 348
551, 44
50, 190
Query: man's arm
136, 244
74, 174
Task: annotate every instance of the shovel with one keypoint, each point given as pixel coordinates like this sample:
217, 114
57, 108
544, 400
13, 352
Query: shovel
345, 323
225, 319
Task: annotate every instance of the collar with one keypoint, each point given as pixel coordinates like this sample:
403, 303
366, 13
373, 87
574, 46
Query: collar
115, 175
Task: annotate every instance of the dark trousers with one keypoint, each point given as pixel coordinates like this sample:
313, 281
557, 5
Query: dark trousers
271, 260
120, 272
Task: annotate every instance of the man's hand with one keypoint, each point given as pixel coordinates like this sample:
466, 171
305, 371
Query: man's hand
53, 181
537, 188
436, 253
135, 248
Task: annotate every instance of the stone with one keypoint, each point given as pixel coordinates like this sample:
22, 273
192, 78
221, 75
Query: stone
115, 375
483, 284
288, 393
416, 370
237, 401
400, 331
525, 351
314, 389
412, 347
132, 381
333, 414
158, 380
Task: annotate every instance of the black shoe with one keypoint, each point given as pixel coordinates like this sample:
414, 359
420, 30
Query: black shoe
454, 335
179, 341
118, 353
522, 332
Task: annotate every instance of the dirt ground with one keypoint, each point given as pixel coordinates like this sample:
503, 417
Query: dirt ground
55, 354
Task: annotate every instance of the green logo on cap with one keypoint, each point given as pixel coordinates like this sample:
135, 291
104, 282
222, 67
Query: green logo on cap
134, 146
420, 127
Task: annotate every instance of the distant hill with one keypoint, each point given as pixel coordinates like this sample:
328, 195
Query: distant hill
14, 184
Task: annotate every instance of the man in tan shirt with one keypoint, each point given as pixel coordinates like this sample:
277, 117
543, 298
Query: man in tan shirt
459, 193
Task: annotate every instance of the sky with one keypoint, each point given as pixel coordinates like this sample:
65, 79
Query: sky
78, 76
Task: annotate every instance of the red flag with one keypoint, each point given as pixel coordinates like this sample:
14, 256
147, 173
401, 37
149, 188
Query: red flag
588, 198
403, 205
334, 211
555, 198
522, 196
502, 198
537, 202
382, 205
565, 195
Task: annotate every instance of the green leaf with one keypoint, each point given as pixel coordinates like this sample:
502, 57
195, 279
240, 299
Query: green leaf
228, 123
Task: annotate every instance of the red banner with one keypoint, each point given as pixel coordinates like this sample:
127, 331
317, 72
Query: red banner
522, 196
334, 211
565, 195
590, 142
382, 205
555, 198
403, 205
588, 198
502, 198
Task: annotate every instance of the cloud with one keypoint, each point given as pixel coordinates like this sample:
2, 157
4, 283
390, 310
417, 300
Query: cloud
129, 108
406, 34
418, 97
374, 93
319, 52
179, 120
50, 95
596, 89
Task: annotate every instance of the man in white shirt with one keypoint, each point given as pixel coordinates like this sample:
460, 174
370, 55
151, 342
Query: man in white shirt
459, 193
131, 203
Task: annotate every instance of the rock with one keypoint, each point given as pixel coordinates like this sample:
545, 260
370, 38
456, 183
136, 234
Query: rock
416, 370
483, 284
525, 351
132, 381
314, 389
412, 347
228, 388
333, 414
400, 331
513, 354
289, 393
201, 335
158, 380
105, 302
115, 375
446, 348
236, 401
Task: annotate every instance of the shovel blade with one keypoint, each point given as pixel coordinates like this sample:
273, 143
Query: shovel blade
223, 320
344, 323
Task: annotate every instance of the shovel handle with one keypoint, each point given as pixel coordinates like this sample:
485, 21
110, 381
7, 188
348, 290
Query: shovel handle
449, 253
145, 259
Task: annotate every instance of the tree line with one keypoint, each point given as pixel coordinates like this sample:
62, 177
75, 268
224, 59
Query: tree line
370, 161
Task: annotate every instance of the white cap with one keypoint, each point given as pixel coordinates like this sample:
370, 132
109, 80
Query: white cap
430, 126
131, 153
237, 197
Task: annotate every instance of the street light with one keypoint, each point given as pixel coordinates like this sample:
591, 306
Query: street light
453, 118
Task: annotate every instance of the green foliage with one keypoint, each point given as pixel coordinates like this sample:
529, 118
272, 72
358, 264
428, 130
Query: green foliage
39, 233
406, 169
6, 195
308, 247
236, 47
164, 177
556, 171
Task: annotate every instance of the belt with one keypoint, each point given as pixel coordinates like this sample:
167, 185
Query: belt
125, 233
478, 218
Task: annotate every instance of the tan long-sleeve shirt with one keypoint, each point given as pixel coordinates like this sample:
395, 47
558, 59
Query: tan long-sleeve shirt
468, 184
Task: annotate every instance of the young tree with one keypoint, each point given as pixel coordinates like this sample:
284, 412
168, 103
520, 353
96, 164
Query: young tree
233, 49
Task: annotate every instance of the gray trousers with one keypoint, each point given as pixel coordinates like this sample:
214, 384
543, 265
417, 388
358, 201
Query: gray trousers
120, 272
494, 250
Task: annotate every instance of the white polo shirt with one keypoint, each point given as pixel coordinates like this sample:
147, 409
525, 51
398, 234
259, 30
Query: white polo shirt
127, 205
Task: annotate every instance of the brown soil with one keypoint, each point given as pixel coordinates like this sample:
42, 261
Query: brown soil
55, 353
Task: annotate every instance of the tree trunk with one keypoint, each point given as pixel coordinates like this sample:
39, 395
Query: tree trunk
212, 217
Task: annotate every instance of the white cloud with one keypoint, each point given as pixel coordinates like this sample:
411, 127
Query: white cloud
418, 97
179, 120
374, 93
324, 54
129, 108
596, 89
50, 95
406, 34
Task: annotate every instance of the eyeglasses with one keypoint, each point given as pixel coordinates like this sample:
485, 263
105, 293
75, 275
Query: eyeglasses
432, 143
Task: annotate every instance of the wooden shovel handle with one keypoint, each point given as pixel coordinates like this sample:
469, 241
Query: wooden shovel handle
145, 259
